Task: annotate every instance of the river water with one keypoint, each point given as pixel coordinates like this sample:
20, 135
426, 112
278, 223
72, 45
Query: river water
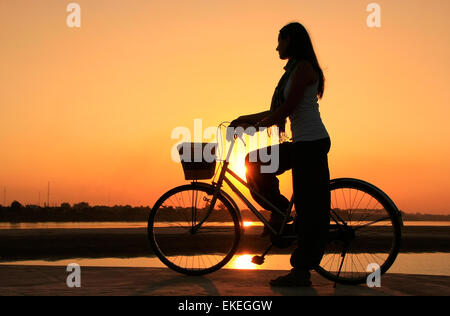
406, 263
92, 225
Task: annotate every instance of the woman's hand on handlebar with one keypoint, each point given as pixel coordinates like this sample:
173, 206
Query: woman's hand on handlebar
240, 122
250, 120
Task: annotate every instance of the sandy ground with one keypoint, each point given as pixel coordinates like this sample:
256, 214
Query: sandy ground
21, 244
44, 280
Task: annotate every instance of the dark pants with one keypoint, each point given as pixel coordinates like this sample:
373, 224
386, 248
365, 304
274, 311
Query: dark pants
310, 177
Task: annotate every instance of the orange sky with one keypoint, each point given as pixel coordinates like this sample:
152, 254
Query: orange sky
92, 109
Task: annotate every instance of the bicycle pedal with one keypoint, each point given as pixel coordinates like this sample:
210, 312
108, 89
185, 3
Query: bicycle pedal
258, 260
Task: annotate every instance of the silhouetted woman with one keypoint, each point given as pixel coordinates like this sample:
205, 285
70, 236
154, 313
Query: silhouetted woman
296, 96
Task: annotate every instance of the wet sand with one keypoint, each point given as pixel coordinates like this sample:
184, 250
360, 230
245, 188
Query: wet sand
53, 244
40, 280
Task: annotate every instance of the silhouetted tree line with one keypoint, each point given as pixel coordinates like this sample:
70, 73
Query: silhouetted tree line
83, 212
79, 212
424, 217
371, 215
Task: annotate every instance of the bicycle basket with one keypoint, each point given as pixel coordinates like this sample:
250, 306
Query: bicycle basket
198, 160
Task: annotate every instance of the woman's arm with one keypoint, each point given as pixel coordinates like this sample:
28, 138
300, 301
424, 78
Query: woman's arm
303, 76
251, 119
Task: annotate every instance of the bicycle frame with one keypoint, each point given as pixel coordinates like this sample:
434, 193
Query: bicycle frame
223, 178
339, 231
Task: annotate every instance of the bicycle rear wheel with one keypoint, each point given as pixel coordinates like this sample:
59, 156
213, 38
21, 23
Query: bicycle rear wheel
187, 238
365, 229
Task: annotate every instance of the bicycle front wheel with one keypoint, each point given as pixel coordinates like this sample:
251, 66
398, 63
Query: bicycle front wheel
189, 239
365, 232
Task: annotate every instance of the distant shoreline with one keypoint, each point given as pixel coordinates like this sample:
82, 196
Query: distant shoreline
83, 212
143, 221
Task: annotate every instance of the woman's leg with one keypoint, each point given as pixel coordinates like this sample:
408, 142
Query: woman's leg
311, 178
267, 184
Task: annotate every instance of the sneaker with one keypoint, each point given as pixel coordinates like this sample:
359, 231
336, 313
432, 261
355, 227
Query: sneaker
294, 278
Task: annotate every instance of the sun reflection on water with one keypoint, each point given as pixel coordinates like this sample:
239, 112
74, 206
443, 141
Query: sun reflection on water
242, 262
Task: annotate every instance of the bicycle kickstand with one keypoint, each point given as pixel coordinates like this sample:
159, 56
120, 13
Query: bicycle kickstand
259, 260
344, 253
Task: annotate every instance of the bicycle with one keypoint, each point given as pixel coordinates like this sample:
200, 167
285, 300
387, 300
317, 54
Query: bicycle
210, 227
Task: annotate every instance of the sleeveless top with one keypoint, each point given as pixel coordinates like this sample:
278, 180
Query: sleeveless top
306, 123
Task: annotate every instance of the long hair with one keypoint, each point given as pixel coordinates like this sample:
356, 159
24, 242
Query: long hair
301, 48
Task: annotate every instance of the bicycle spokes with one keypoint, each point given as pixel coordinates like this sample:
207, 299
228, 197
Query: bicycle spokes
362, 231
188, 235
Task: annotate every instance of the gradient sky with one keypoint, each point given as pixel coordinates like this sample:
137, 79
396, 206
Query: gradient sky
92, 109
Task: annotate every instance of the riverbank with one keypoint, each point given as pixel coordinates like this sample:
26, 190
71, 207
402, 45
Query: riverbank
54, 244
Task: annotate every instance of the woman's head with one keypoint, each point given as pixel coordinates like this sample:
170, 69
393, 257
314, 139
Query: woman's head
295, 42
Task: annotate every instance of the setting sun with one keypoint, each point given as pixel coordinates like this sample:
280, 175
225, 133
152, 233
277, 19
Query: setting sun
108, 142
97, 197
237, 161
243, 262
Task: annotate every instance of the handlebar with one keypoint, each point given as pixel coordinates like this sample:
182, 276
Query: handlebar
238, 132
232, 133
